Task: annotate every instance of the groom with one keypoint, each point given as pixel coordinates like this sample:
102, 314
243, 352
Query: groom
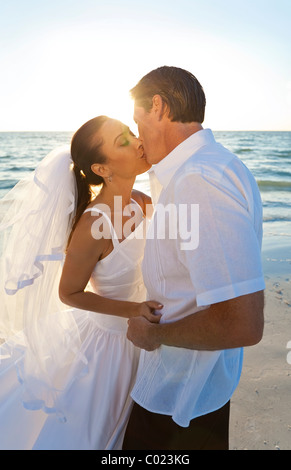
212, 293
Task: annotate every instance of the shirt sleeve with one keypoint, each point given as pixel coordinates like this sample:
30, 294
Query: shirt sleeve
222, 253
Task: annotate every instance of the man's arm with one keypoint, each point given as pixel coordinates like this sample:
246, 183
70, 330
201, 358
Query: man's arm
233, 323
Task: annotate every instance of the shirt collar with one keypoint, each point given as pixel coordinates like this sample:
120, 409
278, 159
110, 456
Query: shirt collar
167, 167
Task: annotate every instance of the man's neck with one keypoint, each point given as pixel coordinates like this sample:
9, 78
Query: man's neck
176, 133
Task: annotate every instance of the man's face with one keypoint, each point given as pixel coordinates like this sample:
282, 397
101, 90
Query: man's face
150, 133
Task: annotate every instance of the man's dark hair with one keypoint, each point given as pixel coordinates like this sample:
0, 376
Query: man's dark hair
179, 89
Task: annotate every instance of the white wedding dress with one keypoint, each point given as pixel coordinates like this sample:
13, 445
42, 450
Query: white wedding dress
96, 402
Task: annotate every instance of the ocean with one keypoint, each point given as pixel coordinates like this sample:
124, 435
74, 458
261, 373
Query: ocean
266, 154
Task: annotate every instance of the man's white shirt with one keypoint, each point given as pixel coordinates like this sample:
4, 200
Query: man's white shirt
203, 247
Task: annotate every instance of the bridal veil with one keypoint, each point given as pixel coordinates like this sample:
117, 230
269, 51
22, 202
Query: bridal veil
35, 221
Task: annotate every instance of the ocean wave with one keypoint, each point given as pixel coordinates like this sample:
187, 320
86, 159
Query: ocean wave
7, 183
276, 218
17, 169
243, 150
282, 153
268, 185
5, 156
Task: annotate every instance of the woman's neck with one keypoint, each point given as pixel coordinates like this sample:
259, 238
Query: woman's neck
113, 192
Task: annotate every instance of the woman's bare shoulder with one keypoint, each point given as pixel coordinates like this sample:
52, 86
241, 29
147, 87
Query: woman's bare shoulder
141, 198
91, 233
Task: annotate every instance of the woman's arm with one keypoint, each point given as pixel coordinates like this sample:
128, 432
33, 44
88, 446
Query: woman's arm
83, 253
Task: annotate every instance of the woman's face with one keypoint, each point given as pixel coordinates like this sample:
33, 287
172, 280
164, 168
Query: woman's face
124, 152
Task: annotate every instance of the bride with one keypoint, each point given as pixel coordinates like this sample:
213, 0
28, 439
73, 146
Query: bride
70, 279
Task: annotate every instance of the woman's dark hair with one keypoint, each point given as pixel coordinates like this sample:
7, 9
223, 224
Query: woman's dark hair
85, 151
179, 89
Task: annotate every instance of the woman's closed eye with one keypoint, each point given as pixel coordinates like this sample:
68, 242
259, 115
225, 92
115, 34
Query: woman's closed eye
124, 140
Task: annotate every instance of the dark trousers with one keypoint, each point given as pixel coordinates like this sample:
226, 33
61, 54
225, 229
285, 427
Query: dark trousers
152, 431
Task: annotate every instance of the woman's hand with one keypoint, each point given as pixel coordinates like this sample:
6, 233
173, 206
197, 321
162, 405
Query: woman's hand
148, 310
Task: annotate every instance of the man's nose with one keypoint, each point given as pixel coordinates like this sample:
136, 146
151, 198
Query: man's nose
139, 142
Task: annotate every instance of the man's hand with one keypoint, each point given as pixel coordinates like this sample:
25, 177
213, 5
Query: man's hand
141, 332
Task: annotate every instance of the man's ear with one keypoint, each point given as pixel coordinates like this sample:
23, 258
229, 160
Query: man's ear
160, 108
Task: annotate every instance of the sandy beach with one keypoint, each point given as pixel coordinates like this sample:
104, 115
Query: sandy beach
260, 411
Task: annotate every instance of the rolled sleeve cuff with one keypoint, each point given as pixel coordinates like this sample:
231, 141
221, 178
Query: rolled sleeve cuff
230, 292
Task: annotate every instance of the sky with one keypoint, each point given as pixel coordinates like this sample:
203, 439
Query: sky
63, 62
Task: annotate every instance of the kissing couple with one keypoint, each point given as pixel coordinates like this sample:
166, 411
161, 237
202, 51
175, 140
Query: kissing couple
118, 333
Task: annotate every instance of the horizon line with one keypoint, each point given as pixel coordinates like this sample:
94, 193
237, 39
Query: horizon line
214, 130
